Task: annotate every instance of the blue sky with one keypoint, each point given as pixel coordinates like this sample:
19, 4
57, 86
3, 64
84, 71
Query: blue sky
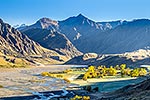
29, 11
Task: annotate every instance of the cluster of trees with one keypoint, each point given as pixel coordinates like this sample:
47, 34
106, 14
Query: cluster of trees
138, 72
102, 71
132, 72
77, 97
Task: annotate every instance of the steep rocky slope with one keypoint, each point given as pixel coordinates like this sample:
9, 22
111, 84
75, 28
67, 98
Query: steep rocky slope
14, 43
11, 40
44, 31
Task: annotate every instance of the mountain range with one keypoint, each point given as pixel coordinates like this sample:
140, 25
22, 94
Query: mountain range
78, 36
79, 30
108, 37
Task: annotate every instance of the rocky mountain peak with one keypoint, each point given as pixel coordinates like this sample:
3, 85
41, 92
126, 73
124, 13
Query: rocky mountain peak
43, 23
79, 19
48, 21
81, 16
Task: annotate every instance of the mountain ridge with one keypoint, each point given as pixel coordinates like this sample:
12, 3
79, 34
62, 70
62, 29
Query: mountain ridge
107, 37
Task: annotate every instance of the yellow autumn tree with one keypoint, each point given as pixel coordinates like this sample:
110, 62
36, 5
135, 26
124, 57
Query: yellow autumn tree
112, 71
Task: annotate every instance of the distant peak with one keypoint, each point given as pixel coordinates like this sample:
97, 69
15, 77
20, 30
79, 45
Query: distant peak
44, 19
81, 16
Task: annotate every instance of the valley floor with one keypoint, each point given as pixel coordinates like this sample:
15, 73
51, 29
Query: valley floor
27, 81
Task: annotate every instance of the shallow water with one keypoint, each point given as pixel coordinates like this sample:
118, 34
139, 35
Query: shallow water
114, 85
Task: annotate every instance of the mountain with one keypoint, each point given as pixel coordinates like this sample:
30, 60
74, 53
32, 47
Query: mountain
44, 31
17, 45
83, 32
79, 29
